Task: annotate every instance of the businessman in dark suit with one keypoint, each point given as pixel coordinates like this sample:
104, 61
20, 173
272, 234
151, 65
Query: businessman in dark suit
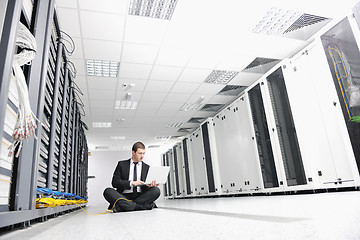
128, 179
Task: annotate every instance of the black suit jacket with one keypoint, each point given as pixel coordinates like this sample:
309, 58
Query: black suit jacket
120, 179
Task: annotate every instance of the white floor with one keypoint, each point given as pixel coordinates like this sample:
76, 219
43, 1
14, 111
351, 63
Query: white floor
309, 216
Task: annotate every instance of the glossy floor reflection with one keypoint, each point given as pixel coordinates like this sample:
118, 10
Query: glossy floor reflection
307, 216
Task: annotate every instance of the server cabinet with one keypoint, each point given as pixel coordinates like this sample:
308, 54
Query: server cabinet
172, 182
198, 163
269, 169
187, 167
239, 167
165, 186
180, 169
324, 143
341, 46
283, 126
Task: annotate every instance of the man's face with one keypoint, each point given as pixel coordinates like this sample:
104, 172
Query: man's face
138, 155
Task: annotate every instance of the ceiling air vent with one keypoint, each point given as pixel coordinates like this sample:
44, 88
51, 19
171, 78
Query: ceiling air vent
212, 107
153, 146
196, 120
220, 77
185, 130
232, 90
305, 20
261, 65
163, 137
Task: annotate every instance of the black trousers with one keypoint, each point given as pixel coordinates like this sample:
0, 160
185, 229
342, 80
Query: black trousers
126, 201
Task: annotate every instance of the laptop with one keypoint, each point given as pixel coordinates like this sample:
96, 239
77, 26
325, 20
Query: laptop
158, 173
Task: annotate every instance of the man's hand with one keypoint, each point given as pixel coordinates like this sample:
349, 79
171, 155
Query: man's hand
153, 184
135, 183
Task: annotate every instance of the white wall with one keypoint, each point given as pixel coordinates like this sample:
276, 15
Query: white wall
102, 165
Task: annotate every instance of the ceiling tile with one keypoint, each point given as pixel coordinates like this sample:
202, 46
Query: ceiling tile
144, 30
110, 6
69, 21
105, 113
101, 104
153, 106
65, 3
166, 106
139, 53
207, 60
110, 51
185, 87
153, 97
105, 83
167, 114
194, 75
173, 57
125, 85
165, 73
97, 25
99, 94
158, 86
208, 88
234, 62
136, 71
177, 97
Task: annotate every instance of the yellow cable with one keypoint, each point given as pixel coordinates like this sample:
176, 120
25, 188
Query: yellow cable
5, 180
107, 211
337, 76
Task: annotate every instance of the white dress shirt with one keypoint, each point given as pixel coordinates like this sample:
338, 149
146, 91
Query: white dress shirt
131, 175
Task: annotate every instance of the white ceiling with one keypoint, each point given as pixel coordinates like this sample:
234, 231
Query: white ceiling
168, 60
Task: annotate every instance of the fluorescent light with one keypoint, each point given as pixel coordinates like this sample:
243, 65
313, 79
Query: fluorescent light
276, 21
174, 125
102, 68
191, 107
125, 104
101, 124
220, 76
162, 9
163, 137
117, 137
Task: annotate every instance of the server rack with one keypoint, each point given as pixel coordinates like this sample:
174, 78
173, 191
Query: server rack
264, 144
239, 167
165, 186
180, 169
41, 162
187, 167
198, 163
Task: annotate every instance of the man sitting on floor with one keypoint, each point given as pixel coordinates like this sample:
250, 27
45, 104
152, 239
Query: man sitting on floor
128, 179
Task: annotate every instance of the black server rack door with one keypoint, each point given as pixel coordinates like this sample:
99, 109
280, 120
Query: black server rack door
165, 185
186, 163
262, 136
290, 151
177, 183
208, 161
168, 181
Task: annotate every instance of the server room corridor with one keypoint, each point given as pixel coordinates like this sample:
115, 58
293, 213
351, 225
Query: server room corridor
248, 112
318, 216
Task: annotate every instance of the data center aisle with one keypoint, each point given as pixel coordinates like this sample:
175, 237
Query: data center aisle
308, 216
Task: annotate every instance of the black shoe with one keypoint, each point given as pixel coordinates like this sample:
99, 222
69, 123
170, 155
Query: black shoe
116, 209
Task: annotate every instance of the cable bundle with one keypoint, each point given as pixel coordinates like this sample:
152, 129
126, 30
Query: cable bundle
26, 124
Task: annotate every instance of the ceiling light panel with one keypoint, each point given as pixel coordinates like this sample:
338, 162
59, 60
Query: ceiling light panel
102, 68
101, 124
162, 137
117, 137
162, 9
276, 21
126, 105
220, 77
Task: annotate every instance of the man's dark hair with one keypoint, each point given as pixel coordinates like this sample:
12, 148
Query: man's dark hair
138, 145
